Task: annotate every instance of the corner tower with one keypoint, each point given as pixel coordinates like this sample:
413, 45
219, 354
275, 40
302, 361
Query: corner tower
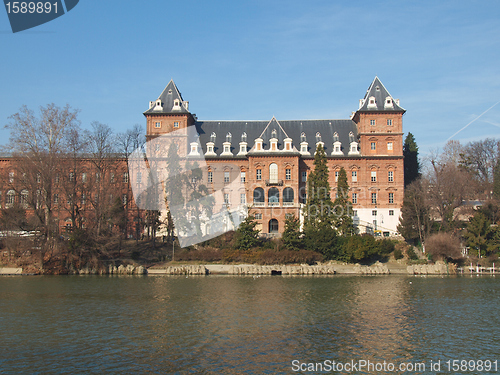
380, 122
167, 113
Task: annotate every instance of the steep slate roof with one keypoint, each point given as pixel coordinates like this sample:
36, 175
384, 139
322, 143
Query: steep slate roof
167, 97
380, 93
288, 128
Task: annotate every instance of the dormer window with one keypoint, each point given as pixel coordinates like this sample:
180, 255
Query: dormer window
388, 102
212, 137
244, 137
176, 103
258, 144
318, 137
303, 137
229, 137
371, 102
158, 106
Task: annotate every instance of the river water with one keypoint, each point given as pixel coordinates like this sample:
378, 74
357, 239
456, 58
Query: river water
250, 325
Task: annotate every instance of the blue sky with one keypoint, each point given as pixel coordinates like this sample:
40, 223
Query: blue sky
250, 60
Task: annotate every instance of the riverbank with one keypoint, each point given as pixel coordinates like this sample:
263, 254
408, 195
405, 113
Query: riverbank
330, 268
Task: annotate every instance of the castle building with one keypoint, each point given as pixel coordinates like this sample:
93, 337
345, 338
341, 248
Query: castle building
272, 159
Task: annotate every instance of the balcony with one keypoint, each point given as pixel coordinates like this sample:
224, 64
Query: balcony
274, 182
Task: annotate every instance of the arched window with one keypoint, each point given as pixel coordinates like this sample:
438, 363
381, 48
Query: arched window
273, 226
258, 196
273, 172
229, 137
288, 196
212, 137
273, 196
11, 195
24, 198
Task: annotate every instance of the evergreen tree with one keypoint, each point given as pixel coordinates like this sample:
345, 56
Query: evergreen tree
319, 233
496, 180
291, 236
246, 234
482, 238
342, 206
411, 164
319, 206
174, 188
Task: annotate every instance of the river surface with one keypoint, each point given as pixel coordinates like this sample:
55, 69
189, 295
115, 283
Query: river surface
248, 325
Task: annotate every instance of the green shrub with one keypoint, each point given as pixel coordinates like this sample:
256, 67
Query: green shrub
398, 254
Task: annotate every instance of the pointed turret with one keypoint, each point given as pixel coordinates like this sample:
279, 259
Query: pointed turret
170, 101
378, 98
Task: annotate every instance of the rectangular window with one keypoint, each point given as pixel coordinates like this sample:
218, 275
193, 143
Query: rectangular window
390, 176
288, 174
243, 176
57, 178
374, 176
372, 122
391, 197
157, 124
389, 146
56, 198
38, 178
176, 124
210, 177
374, 213
258, 216
84, 177
71, 176
374, 198
139, 178
243, 198
354, 198
354, 175
125, 177
259, 174
112, 178
304, 176
84, 199
226, 177
373, 146
124, 199
11, 177
226, 198
391, 212
336, 176
389, 122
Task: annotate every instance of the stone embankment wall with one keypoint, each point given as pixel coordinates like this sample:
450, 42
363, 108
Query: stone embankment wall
439, 268
179, 270
111, 270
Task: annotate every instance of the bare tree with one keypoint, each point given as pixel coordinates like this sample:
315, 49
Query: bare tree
103, 160
39, 142
480, 159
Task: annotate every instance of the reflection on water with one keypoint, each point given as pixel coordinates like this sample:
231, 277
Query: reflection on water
224, 324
